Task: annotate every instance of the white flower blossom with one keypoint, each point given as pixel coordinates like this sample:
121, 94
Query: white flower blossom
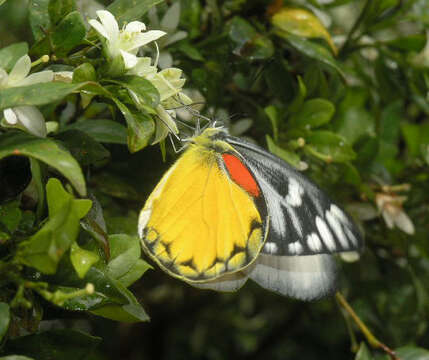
168, 23
26, 117
393, 214
125, 42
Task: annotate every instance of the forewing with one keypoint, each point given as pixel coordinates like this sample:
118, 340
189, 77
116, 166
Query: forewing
303, 220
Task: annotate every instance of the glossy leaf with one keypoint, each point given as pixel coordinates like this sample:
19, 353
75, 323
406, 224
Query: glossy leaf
10, 54
39, 18
47, 151
314, 113
303, 23
314, 51
68, 34
85, 149
412, 353
84, 72
363, 353
329, 147
4, 319
62, 344
10, 215
37, 94
134, 273
82, 259
140, 128
129, 10
287, 156
102, 130
58, 9
15, 357
146, 93
124, 251
249, 43
44, 249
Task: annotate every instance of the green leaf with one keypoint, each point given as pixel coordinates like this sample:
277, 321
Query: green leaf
36, 173
37, 94
129, 10
85, 149
47, 151
314, 113
301, 22
10, 215
39, 18
140, 128
273, 115
287, 156
412, 353
363, 353
9, 55
414, 42
147, 94
102, 130
314, 51
84, 72
95, 225
124, 252
329, 147
82, 259
68, 34
249, 43
15, 357
4, 319
44, 249
136, 272
61, 344
58, 9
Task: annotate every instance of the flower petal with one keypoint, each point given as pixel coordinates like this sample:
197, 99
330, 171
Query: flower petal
180, 35
10, 116
32, 119
135, 26
19, 71
144, 38
170, 20
165, 60
165, 125
143, 68
36, 78
404, 223
110, 24
99, 27
130, 60
3, 78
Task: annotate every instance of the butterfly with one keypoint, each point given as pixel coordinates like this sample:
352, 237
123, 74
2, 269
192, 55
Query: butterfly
228, 210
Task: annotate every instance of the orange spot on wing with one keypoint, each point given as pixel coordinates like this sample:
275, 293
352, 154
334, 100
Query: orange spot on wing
241, 175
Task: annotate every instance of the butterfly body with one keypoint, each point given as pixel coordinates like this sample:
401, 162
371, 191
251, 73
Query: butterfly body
228, 210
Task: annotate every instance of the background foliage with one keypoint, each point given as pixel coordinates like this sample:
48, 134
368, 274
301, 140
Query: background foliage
337, 88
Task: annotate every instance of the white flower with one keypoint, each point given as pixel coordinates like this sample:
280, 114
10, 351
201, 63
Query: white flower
125, 42
25, 117
393, 214
168, 23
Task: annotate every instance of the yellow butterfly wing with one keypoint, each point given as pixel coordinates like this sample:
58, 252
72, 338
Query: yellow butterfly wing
198, 224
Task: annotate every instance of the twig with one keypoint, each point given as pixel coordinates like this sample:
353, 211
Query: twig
372, 340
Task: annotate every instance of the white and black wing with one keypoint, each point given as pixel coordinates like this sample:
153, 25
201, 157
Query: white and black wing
303, 220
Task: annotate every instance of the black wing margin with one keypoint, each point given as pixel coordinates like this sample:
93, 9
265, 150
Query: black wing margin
303, 220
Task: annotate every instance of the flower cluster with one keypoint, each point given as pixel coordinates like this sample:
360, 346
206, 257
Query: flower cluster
125, 44
28, 118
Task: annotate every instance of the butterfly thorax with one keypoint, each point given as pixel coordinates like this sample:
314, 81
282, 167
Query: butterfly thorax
212, 140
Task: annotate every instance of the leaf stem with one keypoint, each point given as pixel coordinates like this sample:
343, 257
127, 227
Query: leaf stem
372, 340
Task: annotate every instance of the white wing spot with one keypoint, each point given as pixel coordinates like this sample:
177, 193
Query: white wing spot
325, 234
351, 236
271, 247
335, 224
313, 242
295, 192
295, 248
339, 214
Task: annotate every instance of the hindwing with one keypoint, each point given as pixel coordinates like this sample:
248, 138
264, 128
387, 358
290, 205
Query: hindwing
206, 218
